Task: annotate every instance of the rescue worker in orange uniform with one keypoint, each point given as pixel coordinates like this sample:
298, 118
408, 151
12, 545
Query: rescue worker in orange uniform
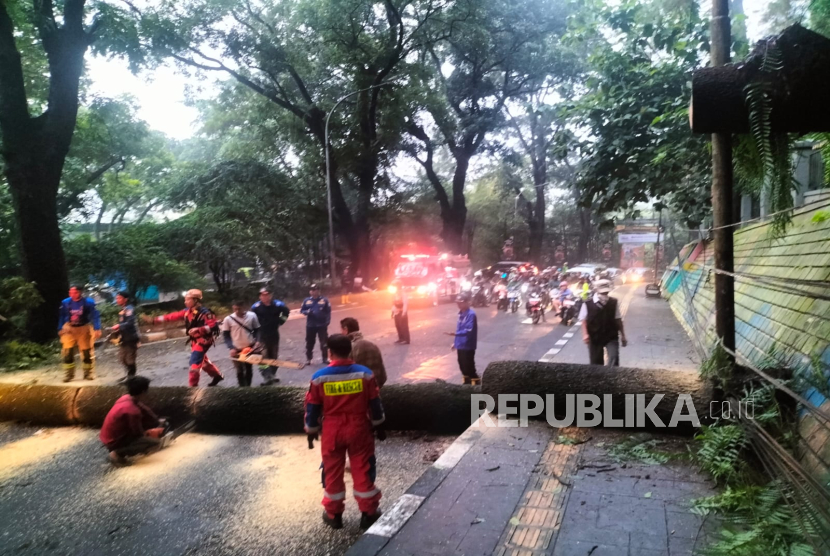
343, 399
200, 324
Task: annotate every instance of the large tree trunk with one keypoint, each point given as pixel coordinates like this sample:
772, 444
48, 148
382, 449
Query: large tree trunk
34, 149
35, 202
455, 217
584, 235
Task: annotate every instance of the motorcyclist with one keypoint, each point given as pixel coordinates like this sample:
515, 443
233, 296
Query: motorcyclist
583, 288
532, 289
500, 287
564, 293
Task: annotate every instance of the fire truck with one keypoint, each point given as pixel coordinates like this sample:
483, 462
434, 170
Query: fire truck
431, 278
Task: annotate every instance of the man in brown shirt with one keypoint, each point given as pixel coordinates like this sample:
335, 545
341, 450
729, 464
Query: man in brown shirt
364, 352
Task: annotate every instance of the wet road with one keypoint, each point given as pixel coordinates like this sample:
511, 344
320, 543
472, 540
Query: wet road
428, 357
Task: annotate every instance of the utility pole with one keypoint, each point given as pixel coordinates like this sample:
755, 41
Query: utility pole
657, 247
722, 191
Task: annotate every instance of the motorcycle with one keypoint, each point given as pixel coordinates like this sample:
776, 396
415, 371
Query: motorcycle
481, 297
537, 311
513, 300
503, 301
567, 310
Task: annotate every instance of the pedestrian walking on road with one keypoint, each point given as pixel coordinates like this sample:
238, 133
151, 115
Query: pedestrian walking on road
346, 397
201, 326
317, 309
271, 313
466, 339
364, 352
79, 325
400, 312
240, 331
131, 428
602, 326
346, 284
127, 332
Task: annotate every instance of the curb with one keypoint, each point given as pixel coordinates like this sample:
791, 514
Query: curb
378, 535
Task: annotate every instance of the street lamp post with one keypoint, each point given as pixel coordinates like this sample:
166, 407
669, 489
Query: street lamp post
328, 174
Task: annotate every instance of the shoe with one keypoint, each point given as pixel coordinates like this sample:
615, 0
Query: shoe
367, 520
270, 382
89, 377
404, 343
335, 522
216, 380
325, 361
116, 460
68, 378
398, 341
308, 362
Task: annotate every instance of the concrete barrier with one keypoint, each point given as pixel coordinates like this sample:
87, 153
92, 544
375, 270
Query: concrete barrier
436, 407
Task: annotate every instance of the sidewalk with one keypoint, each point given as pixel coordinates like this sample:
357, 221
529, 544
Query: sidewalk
655, 338
535, 491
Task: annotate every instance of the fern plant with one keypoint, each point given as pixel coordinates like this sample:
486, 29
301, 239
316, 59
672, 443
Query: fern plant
758, 521
765, 164
721, 452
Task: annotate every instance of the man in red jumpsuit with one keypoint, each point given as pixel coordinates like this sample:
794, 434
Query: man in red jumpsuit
345, 400
200, 323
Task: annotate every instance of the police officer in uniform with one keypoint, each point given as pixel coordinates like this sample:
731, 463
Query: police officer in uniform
317, 310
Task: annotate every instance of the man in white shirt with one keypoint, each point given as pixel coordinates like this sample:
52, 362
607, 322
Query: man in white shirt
240, 330
602, 326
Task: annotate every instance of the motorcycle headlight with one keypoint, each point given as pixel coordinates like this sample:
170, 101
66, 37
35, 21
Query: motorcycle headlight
466, 285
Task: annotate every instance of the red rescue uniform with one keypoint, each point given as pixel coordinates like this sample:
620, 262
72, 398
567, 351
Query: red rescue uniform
343, 399
202, 322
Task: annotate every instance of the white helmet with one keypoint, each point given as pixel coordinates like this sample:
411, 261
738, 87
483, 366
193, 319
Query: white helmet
602, 286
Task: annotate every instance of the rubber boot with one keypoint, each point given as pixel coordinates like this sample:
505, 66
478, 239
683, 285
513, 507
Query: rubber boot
335, 522
367, 520
68, 372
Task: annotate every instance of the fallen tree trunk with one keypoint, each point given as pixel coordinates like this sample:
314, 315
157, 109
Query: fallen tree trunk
561, 379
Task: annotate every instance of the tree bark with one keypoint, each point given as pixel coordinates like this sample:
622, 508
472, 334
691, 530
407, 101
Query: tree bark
35, 149
560, 379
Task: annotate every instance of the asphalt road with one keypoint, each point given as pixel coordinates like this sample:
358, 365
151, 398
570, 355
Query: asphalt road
206, 495
501, 336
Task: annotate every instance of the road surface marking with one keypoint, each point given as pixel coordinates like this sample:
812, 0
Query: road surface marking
568, 335
561, 342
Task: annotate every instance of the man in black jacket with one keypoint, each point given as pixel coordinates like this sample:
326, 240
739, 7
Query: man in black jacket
602, 326
127, 330
271, 314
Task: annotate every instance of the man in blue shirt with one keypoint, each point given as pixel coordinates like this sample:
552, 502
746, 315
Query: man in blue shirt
466, 339
271, 313
79, 325
317, 309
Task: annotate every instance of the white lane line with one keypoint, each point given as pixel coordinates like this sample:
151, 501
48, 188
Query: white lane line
561, 342
396, 517
569, 335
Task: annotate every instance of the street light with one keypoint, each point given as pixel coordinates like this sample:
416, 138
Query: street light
328, 173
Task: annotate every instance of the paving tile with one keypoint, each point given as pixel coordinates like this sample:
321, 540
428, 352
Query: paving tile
581, 548
684, 524
597, 535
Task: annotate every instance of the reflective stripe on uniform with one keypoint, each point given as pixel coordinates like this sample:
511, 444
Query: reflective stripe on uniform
378, 421
335, 497
339, 377
369, 494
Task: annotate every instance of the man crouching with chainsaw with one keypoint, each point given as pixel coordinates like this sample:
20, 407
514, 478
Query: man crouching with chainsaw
131, 428
200, 324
